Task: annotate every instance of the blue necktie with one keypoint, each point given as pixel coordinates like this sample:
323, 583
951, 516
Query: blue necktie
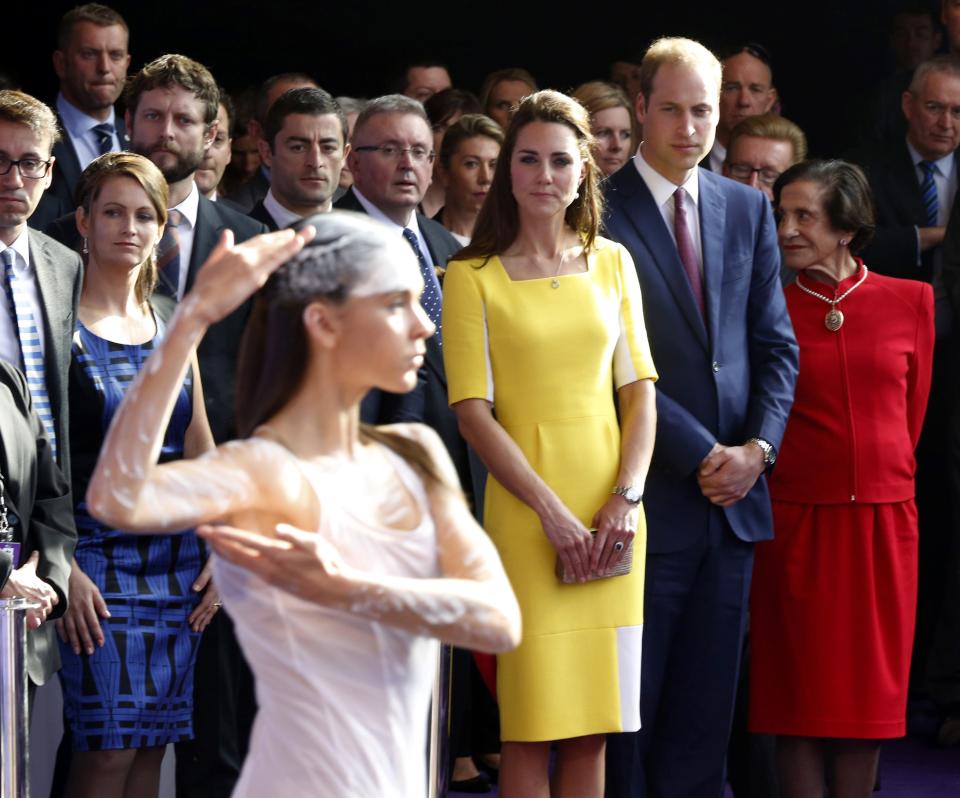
928, 190
104, 134
431, 300
29, 331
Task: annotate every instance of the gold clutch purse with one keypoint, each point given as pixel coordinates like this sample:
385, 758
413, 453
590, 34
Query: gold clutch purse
622, 568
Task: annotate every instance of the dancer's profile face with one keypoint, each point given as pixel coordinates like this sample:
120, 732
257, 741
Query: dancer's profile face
381, 327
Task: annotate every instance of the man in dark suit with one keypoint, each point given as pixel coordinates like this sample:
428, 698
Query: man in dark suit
706, 252
255, 189
391, 161
91, 63
304, 145
37, 309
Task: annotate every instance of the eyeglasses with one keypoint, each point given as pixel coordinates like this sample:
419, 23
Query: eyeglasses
30, 168
391, 152
743, 171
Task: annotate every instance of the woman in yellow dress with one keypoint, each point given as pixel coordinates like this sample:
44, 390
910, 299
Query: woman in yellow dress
543, 343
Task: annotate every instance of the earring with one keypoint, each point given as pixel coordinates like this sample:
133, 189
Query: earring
86, 249
576, 195
843, 242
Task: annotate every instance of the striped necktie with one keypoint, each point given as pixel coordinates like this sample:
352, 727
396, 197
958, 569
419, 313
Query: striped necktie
430, 299
29, 331
928, 190
104, 135
168, 256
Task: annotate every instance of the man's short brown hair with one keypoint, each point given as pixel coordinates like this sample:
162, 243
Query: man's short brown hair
100, 15
678, 52
22, 109
774, 127
175, 70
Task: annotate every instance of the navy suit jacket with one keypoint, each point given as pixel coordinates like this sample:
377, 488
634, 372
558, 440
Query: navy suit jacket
726, 380
899, 209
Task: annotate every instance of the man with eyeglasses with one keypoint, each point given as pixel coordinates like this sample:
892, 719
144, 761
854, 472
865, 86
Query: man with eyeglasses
761, 148
41, 286
747, 90
392, 165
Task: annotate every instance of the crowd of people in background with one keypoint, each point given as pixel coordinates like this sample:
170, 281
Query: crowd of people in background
698, 387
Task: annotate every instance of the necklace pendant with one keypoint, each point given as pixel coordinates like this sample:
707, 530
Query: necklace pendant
554, 283
833, 321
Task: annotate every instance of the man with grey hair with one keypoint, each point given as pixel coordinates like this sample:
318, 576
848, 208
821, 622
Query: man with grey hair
391, 159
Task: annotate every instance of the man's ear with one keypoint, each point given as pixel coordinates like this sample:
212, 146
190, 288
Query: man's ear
266, 153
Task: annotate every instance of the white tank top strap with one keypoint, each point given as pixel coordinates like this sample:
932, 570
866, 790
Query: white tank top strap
410, 478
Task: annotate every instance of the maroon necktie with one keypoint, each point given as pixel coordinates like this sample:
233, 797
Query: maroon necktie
168, 256
688, 253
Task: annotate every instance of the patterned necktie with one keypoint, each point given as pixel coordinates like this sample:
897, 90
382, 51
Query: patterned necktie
29, 331
168, 256
928, 190
431, 300
688, 253
104, 134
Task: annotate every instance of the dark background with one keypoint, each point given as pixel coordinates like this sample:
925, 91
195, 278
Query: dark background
825, 53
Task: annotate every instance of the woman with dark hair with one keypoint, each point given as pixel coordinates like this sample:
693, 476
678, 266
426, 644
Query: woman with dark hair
542, 326
468, 158
612, 122
130, 634
834, 594
376, 552
443, 109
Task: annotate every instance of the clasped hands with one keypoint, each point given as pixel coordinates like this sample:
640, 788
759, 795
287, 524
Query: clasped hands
728, 473
584, 553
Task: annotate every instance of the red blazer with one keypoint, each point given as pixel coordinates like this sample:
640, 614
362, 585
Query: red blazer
861, 393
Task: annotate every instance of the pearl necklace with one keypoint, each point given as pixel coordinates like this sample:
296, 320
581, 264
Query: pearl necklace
833, 321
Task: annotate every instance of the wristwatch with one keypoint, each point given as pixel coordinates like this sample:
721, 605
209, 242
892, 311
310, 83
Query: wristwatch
631, 494
769, 453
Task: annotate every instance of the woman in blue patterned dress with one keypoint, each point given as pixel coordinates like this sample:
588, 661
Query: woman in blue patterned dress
129, 638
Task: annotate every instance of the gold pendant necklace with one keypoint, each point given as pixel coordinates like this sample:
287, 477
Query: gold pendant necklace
833, 321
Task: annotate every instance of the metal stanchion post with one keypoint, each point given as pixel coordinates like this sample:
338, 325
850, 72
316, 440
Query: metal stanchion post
438, 777
14, 728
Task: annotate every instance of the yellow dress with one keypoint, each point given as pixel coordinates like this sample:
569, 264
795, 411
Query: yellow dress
549, 359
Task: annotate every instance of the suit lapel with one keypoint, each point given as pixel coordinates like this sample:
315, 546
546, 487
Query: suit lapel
56, 303
644, 215
713, 216
903, 178
434, 355
67, 160
205, 236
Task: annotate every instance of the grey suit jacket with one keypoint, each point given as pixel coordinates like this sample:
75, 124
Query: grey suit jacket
38, 494
59, 276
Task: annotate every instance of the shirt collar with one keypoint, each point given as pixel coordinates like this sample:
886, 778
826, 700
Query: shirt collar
284, 217
76, 121
190, 205
21, 247
376, 213
944, 165
661, 188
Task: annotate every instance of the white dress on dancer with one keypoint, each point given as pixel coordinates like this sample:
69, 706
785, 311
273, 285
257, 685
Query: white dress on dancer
343, 701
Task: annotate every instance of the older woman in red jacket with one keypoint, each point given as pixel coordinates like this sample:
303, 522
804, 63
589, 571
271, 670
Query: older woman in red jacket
835, 593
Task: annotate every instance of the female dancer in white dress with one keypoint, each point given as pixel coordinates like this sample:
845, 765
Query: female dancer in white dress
344, 654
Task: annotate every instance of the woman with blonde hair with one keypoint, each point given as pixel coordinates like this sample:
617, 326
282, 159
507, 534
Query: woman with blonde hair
130, 634
543, 326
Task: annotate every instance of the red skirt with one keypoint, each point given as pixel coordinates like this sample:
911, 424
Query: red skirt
832, 616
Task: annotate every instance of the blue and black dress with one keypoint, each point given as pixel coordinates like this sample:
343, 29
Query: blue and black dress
136, 690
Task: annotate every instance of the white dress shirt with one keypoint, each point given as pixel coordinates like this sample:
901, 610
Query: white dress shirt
284, 217
79, 127
663, 191
9, 332
188, 210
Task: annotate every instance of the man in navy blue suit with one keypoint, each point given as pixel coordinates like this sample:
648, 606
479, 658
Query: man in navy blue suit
706, 252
